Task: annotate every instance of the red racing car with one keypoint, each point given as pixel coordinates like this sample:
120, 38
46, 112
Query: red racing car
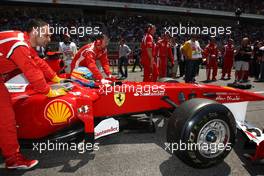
200, 115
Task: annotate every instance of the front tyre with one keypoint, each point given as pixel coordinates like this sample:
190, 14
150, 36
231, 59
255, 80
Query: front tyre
204, 132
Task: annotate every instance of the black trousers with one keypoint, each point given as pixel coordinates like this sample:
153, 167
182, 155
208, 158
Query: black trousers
123, 62
136, 63
261, 71
256, 69
182, 68
197, 66
190, 70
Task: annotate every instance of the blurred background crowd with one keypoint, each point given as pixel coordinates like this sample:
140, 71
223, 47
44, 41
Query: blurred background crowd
129, 26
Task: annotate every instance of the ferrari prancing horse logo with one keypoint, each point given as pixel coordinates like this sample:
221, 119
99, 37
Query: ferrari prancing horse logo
119, 98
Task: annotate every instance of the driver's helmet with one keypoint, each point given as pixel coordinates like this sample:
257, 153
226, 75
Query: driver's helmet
83, 76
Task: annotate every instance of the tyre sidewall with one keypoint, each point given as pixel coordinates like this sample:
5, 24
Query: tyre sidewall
196, 123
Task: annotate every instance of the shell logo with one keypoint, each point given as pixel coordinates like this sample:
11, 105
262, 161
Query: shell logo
58, 112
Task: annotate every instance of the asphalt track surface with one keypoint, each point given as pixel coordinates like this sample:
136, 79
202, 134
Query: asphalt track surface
141, 153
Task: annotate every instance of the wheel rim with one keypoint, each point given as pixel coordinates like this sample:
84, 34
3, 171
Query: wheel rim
212, 138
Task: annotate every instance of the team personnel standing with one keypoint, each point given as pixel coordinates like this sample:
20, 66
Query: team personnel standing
88, 55
229, 51
177, 57
192, 51
211, 54
68, 49
261, 59
148, 55
255, 62
18, 55
242, 60
163, 52
136, 56
124, 52
181, 61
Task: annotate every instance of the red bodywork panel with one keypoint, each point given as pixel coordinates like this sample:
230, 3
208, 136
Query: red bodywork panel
31, 109
106, 106
38, 116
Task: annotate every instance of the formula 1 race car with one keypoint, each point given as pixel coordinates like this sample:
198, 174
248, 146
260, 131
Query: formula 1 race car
200, 114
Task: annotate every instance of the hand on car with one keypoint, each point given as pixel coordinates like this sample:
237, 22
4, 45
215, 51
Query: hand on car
105, 81
112, 78
57, 79
56, 92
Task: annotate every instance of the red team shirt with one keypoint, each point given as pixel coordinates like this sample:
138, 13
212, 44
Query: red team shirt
229, 51
16, 53
164, 49
211, 51
87, 57
147, 42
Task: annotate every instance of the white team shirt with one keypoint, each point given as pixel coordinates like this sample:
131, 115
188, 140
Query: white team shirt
68, 50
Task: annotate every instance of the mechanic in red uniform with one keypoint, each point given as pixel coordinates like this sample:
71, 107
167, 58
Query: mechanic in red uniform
88, 55
17, 55
211, 54
229, 51
163, 52
148, 55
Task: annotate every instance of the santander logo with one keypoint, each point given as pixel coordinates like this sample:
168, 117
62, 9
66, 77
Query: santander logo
106, 127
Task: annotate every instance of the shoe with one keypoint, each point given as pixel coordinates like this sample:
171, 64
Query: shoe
18, 161
213, 79
122, 78
222, 78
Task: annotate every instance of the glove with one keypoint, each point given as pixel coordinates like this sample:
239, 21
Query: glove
57, 79
105, 81
56, 93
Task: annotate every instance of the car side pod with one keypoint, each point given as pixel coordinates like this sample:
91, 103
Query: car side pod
203, 131
85, 114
